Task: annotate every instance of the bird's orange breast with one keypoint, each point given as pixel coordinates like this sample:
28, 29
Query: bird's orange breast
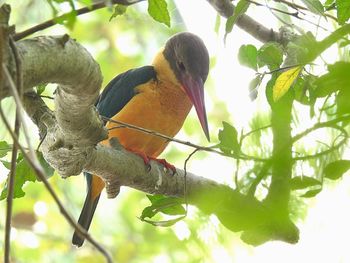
159, 106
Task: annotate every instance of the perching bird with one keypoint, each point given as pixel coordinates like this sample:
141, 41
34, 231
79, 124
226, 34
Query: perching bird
156, 97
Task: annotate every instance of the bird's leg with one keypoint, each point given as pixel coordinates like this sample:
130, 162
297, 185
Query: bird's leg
146, 159
167, 165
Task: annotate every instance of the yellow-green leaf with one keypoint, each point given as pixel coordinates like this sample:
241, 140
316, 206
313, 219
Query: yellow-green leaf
158, 9
284, 82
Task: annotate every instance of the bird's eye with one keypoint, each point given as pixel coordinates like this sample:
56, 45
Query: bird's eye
181, 66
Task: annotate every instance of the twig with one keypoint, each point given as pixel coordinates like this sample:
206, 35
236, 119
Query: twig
154, 133
295, 14
263, 172
326, 124
12, 175
19, 105
201, 148
185, 177
281, 69
331, 149
238, 160
299, 7
47, 97
10, 193
33, 162
80, 11
256, 130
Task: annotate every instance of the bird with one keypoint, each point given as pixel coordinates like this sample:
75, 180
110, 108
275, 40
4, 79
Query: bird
157, 97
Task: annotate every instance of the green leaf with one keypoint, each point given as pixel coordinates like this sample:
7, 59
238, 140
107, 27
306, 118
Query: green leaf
253, 85
40, 88
4, 148
314, 6
312, 193
337, 78
217, 24
24, 173
336, 169
228, 139
158, 9
68, 19
343, 11
270, 54
344, 43
165, 223
304, 89
163, 204
301, 182
247, 56
86, 2
118, 11
241, 8
303, 49
49, 171
6, 164
328, 2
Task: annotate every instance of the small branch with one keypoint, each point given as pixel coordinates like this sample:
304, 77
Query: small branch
294, 14
326, 124
81, 11
255, 29
10, 192
123, 125
331, 149
185, 176
224, 7
329, 41
261, 175
11, 177
299, 7
19, 106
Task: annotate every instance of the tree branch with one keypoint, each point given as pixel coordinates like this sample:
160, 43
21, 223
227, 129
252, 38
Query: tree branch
80, 11
257, 30
223, 7
74, 129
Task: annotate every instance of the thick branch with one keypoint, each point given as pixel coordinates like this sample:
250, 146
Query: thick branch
62, 60
236, 211
73, 131
279, 190
257, 30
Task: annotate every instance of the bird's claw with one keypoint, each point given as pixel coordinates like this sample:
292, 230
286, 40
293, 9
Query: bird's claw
167, 166
146, 160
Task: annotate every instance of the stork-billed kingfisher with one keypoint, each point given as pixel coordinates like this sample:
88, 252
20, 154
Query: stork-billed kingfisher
156, 97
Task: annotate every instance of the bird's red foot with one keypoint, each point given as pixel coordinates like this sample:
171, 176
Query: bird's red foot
167, 165
146, 159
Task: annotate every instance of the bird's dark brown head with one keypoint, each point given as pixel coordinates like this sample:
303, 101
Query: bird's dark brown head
186, 53
189, 60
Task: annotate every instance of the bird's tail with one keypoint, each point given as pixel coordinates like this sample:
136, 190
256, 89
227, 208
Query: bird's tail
88, 210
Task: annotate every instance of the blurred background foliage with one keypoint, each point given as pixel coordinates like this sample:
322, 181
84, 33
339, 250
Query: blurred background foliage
40, 233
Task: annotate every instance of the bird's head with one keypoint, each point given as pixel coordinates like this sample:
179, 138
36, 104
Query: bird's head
189, 61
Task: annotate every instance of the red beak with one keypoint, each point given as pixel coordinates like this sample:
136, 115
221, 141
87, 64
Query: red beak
195, 90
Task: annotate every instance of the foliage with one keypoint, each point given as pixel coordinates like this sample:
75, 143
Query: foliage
285, 74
